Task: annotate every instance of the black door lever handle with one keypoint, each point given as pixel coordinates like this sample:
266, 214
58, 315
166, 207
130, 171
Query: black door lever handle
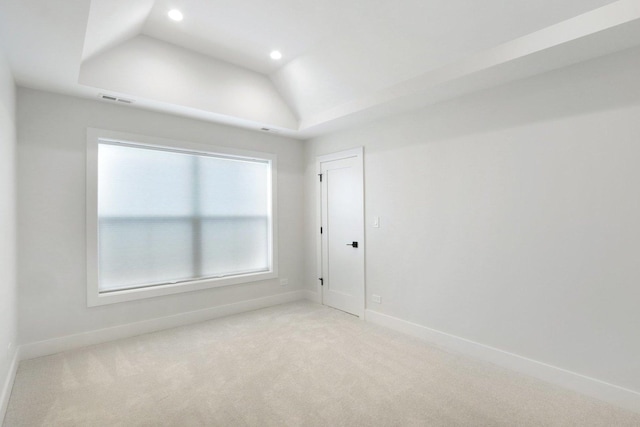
354, 244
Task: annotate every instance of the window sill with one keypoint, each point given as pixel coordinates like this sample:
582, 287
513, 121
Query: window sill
96, 298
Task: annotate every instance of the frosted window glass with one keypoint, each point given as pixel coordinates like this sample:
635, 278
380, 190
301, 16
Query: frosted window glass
167, 217
139, 252
144, 182
235, 245
234, 188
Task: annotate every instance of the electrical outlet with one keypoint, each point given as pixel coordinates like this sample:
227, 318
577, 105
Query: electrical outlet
376, 298
284, 282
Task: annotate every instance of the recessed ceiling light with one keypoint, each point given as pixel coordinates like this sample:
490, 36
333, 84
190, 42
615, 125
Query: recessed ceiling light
175, 14
276, 55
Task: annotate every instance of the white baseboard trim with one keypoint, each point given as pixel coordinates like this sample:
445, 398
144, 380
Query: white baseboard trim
616, 395
312, 296
5, 394
70, 342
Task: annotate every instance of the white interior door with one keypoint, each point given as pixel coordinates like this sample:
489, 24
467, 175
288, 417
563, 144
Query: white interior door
342, 231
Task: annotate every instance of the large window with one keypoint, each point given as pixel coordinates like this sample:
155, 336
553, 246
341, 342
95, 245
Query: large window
168, 216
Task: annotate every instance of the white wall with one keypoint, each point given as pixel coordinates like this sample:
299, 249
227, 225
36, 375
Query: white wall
511, 217
8, 312
51, 207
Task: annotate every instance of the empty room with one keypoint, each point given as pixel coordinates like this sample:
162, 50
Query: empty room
329, 213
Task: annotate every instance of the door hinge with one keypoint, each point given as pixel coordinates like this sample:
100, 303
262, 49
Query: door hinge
321, 281
320, 230
320, 175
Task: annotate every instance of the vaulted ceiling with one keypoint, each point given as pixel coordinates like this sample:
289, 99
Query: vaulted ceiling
344, 61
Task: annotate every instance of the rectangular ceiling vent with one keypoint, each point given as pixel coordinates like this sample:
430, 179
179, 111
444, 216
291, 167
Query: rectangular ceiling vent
115, 99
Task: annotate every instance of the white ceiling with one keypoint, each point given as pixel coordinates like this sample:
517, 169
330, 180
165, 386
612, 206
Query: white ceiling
343, 60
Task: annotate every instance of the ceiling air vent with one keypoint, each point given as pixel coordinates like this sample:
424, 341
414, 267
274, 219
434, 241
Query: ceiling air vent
115, 99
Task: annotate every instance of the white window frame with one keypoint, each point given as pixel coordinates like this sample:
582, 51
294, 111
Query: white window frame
97, 298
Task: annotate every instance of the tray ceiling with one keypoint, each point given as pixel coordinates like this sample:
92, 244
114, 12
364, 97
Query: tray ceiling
343, 61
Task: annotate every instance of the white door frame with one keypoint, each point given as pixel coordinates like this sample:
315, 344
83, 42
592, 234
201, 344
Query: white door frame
358, 153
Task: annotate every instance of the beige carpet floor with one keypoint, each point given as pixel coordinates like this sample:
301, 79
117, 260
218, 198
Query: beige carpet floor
298, 364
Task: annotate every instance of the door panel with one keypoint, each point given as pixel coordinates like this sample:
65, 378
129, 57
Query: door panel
343, 223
